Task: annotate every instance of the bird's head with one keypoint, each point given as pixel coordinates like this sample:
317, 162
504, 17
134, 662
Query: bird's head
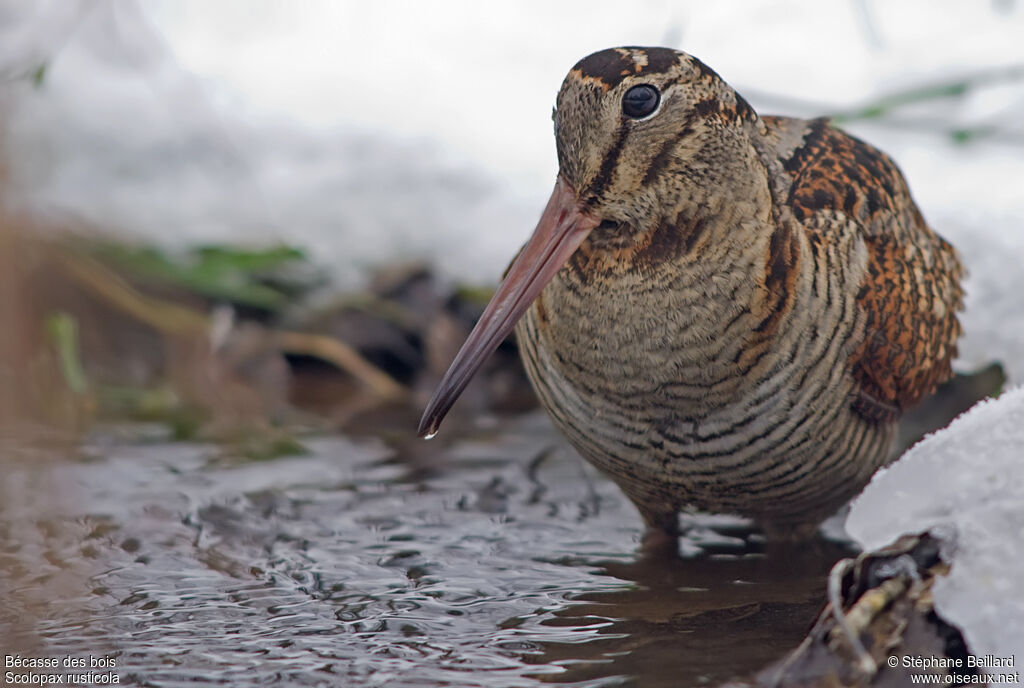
635, 128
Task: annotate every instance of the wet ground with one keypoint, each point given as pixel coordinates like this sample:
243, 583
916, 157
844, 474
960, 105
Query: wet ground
499, 559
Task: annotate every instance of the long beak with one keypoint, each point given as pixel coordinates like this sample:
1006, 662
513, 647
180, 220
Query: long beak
561, 229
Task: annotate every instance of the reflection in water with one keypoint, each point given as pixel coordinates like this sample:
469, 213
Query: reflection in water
494, 561
697, 620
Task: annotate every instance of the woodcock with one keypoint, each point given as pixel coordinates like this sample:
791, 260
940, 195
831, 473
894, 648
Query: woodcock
720, 310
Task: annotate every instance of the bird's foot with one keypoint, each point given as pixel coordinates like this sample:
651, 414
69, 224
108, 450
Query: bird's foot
659, 543
661, 537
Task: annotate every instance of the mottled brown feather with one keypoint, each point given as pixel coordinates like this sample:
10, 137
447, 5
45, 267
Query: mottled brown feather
912, 273
779, 288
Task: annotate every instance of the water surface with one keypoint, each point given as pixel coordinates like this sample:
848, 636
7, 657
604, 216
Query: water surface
491, 557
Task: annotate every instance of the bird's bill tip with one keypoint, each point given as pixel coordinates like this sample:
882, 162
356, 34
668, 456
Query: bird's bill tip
562, 228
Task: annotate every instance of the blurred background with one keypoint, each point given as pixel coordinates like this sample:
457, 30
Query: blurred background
370, 132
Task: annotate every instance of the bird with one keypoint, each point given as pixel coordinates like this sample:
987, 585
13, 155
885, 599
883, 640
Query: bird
722, 311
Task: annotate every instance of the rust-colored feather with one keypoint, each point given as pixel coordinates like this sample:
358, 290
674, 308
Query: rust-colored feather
912, 275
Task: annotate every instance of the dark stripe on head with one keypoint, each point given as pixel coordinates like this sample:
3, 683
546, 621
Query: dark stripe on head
611, 66
659, 60
672, 238
607, 170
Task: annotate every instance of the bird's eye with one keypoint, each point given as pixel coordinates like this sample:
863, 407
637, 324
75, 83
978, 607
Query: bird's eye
640, 101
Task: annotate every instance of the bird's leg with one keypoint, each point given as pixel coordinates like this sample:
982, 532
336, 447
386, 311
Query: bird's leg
662, 532
788, 533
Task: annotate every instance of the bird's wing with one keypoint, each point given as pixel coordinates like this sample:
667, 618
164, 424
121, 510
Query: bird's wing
911, 292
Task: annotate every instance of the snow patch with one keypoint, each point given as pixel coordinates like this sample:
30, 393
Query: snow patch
965, 484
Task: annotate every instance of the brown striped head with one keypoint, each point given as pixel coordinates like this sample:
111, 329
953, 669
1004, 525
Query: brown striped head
628, 117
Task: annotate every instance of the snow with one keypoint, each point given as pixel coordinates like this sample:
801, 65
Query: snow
121, 137
975, 507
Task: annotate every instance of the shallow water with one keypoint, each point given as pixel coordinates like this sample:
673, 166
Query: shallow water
499, 559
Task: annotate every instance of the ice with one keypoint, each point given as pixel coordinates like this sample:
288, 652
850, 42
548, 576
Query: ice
965, 483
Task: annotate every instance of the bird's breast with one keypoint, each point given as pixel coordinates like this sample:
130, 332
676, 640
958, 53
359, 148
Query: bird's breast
648, 334
671, 382
686, 346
